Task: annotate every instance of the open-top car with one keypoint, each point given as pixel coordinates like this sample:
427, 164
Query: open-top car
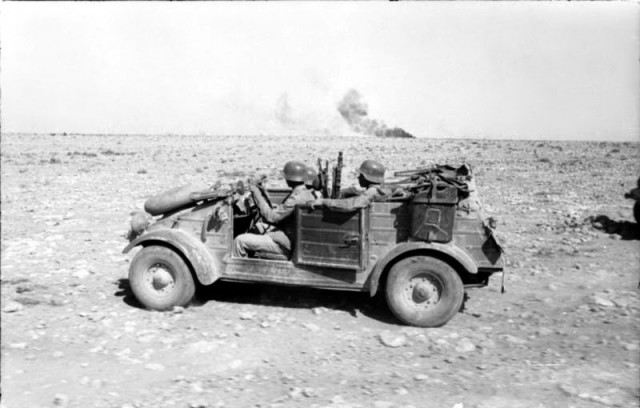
421, 246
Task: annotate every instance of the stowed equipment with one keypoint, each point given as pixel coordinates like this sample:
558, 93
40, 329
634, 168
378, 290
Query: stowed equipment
433, 194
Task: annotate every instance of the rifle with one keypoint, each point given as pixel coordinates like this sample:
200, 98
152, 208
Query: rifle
211, 194
323, 175
337, 177
463, 171
415, 172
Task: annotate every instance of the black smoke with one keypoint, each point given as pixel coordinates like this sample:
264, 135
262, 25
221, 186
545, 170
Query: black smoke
355, 111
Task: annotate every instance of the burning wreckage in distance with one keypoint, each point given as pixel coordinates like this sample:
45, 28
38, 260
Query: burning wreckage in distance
355, 111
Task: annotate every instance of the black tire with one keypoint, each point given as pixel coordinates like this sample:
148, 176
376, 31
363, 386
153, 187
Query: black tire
636, 212
160, 279
424, 291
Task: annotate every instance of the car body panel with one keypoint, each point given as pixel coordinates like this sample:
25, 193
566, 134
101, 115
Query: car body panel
332, 250
206, 265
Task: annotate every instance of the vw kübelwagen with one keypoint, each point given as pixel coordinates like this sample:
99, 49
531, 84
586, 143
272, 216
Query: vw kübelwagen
422, 245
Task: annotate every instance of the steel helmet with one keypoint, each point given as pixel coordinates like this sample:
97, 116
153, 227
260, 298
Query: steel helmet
295, 171
312, 178
372, 171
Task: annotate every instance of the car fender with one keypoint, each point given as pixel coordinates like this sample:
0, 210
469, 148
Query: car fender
450, 252
204, 265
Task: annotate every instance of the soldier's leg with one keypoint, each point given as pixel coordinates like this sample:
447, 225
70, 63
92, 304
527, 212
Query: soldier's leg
254, 243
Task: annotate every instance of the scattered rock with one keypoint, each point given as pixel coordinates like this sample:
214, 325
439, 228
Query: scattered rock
60, 400
392, 340
12, 307
544, 331
154, 367
319, 310
247, 315
569, 390
202, 347
598, 300
465, 346
19, 346
295, 393
29, 300
82, 274
513, 339
235, 364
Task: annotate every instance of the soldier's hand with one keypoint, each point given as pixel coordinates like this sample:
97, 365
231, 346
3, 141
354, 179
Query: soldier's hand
255, 190
317, 203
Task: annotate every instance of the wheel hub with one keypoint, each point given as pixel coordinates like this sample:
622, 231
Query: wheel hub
424, 291
161, 279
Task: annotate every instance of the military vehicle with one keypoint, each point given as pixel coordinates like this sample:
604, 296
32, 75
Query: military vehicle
419, 246
634, 194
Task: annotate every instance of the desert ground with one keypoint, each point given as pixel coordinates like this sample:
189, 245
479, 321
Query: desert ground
565, 334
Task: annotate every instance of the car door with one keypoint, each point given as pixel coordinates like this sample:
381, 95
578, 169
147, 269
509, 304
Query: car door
331, 238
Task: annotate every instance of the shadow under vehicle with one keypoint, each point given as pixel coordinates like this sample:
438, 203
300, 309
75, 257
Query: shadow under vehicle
422, 250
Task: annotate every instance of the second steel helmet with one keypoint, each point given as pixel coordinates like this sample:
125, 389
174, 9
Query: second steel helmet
312, 178
372, 171
295, 171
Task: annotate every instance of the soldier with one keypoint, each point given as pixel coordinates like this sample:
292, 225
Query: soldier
371, 175
278, 239
312, 182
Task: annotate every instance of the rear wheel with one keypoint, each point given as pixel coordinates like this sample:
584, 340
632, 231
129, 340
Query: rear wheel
424, 291
160, 279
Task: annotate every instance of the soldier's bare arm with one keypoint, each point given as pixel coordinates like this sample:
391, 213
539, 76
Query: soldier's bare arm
348, 204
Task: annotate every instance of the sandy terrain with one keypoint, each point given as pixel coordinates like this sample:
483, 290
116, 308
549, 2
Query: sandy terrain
566, 333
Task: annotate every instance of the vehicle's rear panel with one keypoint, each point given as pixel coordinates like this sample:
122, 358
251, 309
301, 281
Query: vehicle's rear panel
471, 234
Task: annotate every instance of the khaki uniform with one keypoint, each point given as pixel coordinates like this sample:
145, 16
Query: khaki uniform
361, 200
279, 239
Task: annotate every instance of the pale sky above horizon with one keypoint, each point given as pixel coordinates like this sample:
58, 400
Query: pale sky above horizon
566, 71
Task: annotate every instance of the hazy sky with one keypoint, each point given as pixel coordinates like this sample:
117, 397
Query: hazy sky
452, 69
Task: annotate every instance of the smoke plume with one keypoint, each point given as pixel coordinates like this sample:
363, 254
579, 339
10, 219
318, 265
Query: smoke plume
355, 111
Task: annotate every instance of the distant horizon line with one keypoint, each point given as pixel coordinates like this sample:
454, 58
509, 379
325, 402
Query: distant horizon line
314, 135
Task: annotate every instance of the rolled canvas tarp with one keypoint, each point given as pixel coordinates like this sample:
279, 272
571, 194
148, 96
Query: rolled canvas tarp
172, 199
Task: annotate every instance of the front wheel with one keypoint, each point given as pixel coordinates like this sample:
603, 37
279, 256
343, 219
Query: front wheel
424, 291
160, 279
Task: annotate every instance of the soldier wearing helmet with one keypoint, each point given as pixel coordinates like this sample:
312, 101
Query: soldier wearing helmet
370, 177
312, 182
278, 239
